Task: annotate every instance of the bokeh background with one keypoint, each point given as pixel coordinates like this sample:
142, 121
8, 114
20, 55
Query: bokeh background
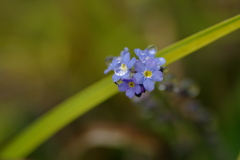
50, 50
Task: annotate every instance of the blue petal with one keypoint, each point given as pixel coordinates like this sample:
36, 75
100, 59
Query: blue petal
127, 80
126, 58
107, 70
157, 76
126, 75
144, 58
121, 54
115, 78
130, 93
137, 89
151, 56
148, 84
115, 62
123, 87
140, 53
137, 51
134, 80
131, 63
111, 66
138, 77
151, 64
139, 66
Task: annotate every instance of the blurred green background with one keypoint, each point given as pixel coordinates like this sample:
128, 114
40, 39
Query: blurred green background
50, 50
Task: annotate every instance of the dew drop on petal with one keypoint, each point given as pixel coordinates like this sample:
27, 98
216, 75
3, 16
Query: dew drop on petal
152, 50
120, 69
161, 61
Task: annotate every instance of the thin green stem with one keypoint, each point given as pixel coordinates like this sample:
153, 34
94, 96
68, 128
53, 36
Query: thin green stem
60, 116
190, 44
64, 113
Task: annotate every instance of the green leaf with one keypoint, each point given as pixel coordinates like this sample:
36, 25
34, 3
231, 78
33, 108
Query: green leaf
61, 115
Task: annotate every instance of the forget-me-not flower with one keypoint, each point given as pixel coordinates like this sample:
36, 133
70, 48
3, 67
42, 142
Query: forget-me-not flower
130, 86
147, 73
121, 65
116, 60
122, 69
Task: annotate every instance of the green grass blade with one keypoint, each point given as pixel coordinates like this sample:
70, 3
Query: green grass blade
190, 44
61, 115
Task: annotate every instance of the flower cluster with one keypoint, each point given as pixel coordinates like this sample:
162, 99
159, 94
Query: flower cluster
135, 76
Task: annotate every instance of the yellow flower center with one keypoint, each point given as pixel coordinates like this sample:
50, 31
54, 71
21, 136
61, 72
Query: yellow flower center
123, 67
147, 74
131, 84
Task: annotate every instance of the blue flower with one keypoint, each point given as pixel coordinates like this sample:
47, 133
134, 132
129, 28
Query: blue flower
122, 68
147, 73
121, 65
136, 76
130, 86
111, 65
142, 54
116, 60
148, 53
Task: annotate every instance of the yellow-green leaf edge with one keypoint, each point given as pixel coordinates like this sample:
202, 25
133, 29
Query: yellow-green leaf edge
67, 111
